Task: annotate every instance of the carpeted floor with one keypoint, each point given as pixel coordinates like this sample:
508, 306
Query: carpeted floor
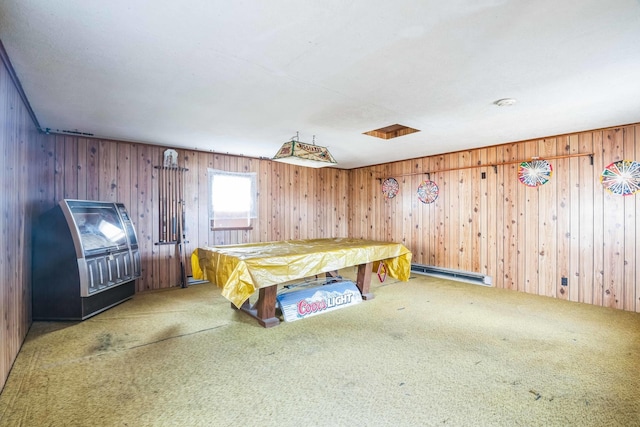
427, 352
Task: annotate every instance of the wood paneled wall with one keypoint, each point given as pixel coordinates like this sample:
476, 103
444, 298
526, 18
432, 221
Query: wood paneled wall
525, 238
18, 137
293, 202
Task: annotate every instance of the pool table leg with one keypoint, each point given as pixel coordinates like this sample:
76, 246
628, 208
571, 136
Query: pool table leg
264, 310
363, 280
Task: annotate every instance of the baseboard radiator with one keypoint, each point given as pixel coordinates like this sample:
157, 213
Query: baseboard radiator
448, 273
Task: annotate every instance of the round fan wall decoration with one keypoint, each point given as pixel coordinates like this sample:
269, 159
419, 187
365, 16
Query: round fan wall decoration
428, 191
622, 177
535, 173
390, 188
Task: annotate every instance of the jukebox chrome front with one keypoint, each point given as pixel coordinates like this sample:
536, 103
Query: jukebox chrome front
85, 260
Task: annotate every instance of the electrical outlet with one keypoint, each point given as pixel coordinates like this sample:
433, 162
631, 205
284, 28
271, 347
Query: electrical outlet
564, 281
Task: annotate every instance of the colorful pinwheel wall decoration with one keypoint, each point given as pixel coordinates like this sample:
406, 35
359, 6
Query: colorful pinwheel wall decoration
622, 177
535, 173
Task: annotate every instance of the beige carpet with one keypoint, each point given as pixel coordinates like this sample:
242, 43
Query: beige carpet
429, 352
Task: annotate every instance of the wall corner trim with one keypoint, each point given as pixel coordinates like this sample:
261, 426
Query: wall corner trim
14, 77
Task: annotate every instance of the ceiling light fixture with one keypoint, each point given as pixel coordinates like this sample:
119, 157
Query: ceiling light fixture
505, 102
298, 153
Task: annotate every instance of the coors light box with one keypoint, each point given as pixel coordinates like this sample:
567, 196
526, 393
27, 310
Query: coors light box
309, 302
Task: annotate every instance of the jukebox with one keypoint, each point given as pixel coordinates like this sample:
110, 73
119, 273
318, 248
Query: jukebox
85, 260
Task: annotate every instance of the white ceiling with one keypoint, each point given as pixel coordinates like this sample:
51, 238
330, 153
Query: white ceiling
242, 77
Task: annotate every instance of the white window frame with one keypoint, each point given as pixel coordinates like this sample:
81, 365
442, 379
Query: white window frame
233, 199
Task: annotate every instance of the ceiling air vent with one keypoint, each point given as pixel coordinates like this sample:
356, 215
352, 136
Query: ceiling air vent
392, 131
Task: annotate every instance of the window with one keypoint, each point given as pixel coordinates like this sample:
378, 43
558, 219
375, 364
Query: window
232, 199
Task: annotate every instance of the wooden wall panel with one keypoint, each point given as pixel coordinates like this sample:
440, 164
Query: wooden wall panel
547, 226
144, 226
277, 200
525, 238
467, 192
191, 201
479, 221
81, 168
58, 166
586, 206
501, 244
7, 355
563, 222
598, 220
637, 200
529, 234
510, 214
491, 212
439, 255
613, 227
294, 202
420, 213
523, 193
630, 240
574, 216
204, 235
23, 184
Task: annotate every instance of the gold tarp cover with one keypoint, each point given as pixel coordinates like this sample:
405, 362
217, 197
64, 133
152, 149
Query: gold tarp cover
241, 269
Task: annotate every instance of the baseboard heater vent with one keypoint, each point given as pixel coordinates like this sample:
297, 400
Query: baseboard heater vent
448, 273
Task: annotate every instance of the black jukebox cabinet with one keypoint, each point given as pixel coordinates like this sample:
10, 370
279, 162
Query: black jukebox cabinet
85, 260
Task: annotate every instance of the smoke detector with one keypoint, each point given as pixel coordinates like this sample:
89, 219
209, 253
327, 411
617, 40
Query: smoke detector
505, 102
